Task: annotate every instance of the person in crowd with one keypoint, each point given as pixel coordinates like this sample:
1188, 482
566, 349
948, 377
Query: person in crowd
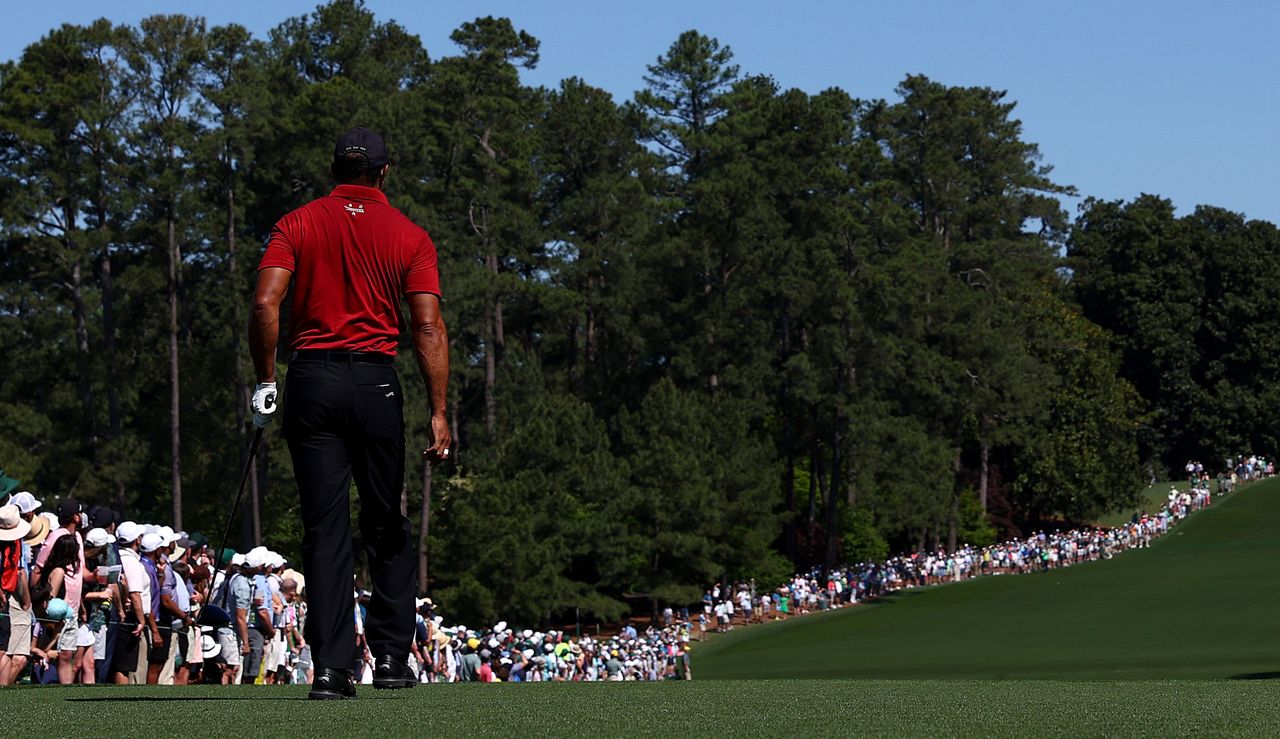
135, 605
233, 596
157, 638
261, 630
15, 643
70, 521
13, 590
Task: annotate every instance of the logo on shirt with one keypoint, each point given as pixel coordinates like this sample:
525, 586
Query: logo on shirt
354, 209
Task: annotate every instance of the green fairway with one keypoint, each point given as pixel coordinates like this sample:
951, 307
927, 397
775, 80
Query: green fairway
1202, 602
721, 708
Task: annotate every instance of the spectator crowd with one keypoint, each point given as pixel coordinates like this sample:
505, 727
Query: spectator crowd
89, 598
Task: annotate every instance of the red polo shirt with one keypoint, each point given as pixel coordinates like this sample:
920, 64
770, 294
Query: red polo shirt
352, 256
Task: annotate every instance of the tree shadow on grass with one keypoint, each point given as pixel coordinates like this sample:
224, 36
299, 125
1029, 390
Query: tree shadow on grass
1257, 676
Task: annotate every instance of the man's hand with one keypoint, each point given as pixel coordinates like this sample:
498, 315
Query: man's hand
264, 404
441, 438
156, 639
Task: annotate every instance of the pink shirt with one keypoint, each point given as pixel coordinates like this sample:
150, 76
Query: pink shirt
73, 582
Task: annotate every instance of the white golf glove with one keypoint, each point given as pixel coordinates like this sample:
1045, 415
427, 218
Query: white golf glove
263, 404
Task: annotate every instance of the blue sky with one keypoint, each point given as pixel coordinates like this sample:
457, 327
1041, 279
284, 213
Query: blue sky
1175, 98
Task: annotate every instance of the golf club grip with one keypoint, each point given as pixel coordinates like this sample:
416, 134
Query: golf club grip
235, 507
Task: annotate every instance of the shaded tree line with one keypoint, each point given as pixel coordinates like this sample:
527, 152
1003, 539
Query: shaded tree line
721, 329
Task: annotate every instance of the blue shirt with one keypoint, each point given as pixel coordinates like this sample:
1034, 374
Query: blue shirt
150, 567
261, 598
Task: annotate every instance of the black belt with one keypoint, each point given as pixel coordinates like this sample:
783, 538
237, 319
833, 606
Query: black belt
324, 355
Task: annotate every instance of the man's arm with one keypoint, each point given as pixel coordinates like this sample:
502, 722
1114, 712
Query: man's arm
169, 604
264, 618
264, 323
431, 346
23, 593
242, 628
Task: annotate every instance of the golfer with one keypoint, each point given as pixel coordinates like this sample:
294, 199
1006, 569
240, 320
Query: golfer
351, 257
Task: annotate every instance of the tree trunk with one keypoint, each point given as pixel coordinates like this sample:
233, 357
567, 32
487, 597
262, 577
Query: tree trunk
831, 517
114, 417
261, 471
983, 473
240, 384
815, 474
490, 379
175, 397
84, 386
493, 340
589, 355
424, 529
952, 523
453, 427
788, 433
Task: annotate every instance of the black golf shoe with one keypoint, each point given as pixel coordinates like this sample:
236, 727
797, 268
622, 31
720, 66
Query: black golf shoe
392, 673
330, 684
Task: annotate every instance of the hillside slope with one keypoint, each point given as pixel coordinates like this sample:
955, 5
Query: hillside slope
1201, 602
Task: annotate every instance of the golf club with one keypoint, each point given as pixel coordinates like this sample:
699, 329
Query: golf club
226, 532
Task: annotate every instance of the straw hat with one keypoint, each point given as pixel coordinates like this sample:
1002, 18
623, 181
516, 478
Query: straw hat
39, 531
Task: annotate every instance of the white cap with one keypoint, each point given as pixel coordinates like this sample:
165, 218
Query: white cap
256, 557
168, 534
25, 501
237, 559
128, 532
500, 627
152, 542
98, 538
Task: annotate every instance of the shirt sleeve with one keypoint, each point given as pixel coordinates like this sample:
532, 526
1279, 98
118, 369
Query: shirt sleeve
170, 584
280, 252
43, 555
423, 276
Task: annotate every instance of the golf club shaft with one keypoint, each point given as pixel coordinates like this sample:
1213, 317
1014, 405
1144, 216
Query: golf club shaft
226, 532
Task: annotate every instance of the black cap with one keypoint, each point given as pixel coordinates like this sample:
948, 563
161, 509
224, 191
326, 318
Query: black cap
102, 517
361, 140
68, 508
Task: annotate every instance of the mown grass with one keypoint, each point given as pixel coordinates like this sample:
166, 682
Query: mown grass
719, 708
1150, 500
1200, 603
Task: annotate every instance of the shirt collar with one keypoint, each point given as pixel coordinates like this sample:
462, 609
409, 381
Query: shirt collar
360, 192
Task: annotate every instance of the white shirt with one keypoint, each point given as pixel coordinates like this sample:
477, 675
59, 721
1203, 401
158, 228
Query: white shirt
136, 575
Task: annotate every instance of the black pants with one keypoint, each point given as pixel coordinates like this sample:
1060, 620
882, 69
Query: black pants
344, 418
